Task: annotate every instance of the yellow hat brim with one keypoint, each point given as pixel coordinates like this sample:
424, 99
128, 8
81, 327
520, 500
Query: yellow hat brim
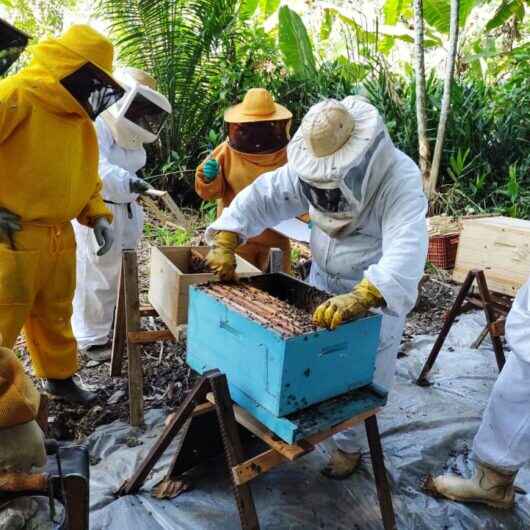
237, 114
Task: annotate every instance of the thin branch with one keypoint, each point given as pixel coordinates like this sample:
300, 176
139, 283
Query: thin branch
446, 97
421, 114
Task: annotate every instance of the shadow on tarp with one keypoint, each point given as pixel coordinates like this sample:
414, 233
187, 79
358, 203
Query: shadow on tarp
423, 430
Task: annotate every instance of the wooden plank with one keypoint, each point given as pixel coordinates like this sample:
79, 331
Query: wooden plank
203, 408
152, 192
270, 459
381, 479
500, 247
147, 337
175, 213
289, 451
256, 466
498, 327
170, 281
170, 204
233, 450
119, 339
132, 317
148, 311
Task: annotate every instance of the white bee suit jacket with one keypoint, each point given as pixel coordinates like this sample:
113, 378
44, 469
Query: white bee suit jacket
97, 276
503, 439
388, 245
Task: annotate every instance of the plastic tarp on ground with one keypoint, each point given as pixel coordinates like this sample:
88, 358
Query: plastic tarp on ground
423, 430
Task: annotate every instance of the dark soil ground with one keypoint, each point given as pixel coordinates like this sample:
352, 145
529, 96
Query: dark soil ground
167, 378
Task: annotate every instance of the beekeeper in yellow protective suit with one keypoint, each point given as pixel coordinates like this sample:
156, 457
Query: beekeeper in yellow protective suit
49, 176
258, 134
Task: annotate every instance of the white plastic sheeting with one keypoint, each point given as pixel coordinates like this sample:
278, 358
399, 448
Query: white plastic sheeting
423, 430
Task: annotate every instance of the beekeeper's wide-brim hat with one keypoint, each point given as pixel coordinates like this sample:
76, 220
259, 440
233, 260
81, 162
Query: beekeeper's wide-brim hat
257, 105
19, 398
333, 137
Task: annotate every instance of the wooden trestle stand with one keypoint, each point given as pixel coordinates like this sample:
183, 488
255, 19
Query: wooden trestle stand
495, 309
212, 423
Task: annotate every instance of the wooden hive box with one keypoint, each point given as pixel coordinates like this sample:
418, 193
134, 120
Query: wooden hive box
267, 370
500, 246
170, 279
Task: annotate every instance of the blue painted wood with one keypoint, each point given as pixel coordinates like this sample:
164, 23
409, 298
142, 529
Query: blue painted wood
317, 418
280, 375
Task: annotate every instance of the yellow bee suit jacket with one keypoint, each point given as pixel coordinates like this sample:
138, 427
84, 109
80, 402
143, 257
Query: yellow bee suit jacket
236, 171
48, 145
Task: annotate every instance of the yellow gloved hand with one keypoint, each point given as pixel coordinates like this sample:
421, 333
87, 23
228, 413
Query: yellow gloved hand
344, 307
222, 258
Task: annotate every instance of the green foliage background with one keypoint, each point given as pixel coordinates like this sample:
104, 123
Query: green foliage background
207, 53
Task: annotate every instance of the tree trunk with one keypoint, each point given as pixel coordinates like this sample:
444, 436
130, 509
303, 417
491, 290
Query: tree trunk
421, 114
446, 98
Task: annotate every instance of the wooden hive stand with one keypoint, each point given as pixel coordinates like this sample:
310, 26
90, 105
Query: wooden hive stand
212, 423
128, 335
495, 309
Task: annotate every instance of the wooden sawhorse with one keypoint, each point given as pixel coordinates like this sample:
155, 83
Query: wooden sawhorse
128, 335
495, 308
210, 422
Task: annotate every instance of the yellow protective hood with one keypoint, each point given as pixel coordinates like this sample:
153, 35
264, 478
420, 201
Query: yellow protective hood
56, 58
48, 144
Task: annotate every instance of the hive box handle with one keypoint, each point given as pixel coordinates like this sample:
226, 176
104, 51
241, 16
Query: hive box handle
336, 348
223, 324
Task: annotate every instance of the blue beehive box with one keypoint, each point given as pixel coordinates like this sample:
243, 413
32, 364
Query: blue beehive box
264, 367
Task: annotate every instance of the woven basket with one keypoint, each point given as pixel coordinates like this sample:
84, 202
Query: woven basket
442, 250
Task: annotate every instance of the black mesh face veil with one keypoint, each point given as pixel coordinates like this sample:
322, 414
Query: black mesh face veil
325, 200
146, 114
94, 90
258, 137
12, 44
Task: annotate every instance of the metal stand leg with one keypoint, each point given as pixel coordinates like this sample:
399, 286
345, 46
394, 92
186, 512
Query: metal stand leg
451, 316
381, 481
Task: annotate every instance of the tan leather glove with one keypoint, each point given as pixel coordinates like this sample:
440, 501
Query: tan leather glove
222, 258
344, 307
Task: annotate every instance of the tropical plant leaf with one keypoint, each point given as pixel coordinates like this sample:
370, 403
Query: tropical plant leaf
295, 43
393, 9
504, 12
386, 44
437, 13
247, 9
327, 23
268, 7
182, 43
371, 37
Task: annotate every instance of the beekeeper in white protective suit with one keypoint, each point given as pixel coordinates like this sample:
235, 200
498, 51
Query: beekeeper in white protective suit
502, 444
369, 236
122, 131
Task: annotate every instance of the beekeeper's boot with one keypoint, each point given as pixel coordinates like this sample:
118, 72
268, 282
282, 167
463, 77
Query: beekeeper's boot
68, 390
488, 486
341, 464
